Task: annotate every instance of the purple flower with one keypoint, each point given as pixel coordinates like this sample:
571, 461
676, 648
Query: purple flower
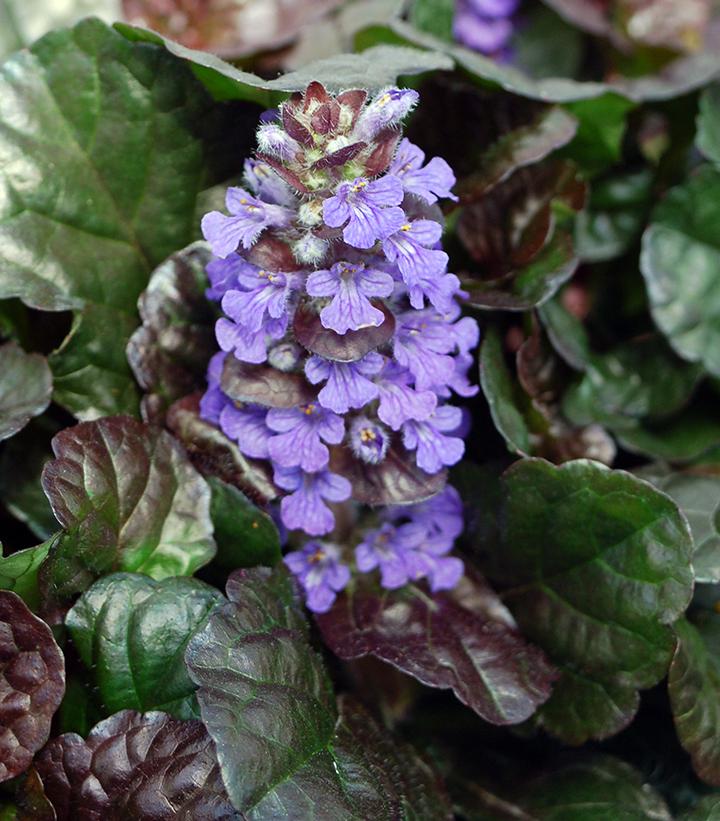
222, 274
214, 400
483, 26
249, 218
268, 296
434, 449
247, 427
274, 140
321, 573
442, 515
459, 381
369, 208
248, 346
422, 266
421, 345
429, 182
369, 440
443, 572
399, 402
267, 184
350, 286
395, 551
386, 109
299, 433
305, 507
347, 385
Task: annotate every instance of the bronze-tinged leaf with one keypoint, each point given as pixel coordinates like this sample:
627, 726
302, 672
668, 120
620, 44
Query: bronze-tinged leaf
169, 352
32, 683
464, 639
213, 454
26, 386
397, 480
135, 765
311, 334
264, 385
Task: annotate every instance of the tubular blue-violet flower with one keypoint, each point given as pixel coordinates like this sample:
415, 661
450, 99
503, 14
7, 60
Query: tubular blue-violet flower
336, 298
485, 25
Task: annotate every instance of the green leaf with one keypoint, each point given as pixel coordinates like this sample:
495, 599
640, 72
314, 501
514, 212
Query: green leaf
593, 788
545, 46
681, 265
642, 379
132, 500
615, 216
683, 438
707, 809
268, 704
92, 205
567, 333
25, 388
245, 535
708, 123
697, 493
373, 69
502, 394
131, 633
598, 590
434, 17
19, 572
694, 687
602, 123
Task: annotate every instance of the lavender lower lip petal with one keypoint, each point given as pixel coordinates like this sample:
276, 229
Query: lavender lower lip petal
359, 241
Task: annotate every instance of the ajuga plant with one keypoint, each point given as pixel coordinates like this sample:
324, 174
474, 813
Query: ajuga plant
335, 293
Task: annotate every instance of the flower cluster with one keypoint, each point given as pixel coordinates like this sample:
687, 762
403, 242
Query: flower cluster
485, 25
341, 336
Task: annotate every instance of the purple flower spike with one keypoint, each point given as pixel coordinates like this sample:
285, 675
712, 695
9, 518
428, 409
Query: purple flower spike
495, 8
321, 573
395, 551
388, 108
222, 274
480, 31
305, 507
370, 207
369, 440
434, 180
249, 218
267, 293
347, 385
399, 402
434, 449
350, 285
273, 140
247, 427
299, 434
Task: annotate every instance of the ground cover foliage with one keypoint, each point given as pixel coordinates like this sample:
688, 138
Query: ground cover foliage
157, 659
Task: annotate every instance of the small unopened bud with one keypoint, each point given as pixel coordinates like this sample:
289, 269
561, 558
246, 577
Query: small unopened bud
388, 108
285, 356
309, 249
369, 440
310, 213
275, 141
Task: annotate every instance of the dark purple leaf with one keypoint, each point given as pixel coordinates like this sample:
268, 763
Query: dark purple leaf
135, 765
25, 388
268, 704
397, 480
264, 385
285, 173
547, 129
311, 334
296, 129
464, 640
340, 157
32, 683
132, 500
213, 454
170, 351
326, 117
381, 157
